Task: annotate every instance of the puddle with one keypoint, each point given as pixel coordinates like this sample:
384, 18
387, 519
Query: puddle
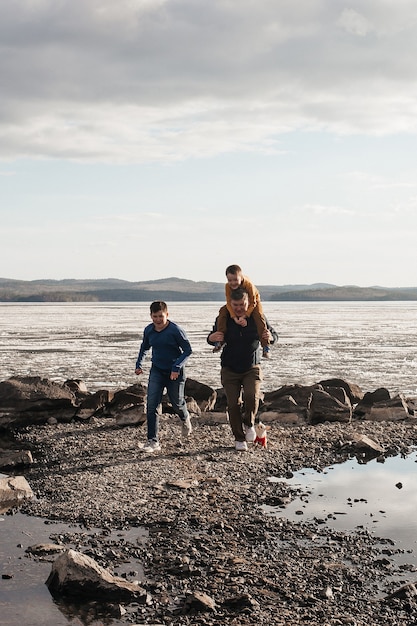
24, 597
378, 497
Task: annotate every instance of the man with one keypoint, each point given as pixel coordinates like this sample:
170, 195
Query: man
240, 361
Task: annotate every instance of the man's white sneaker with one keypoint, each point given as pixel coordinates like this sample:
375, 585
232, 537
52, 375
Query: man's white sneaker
241, 446
187, 429
150, 446
250, 434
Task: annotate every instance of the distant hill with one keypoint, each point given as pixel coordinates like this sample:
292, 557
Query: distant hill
180, 289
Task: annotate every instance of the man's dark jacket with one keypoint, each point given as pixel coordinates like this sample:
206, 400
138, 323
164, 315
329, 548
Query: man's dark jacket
242, 349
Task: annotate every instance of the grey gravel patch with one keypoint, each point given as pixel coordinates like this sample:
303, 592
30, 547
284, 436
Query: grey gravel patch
211, 555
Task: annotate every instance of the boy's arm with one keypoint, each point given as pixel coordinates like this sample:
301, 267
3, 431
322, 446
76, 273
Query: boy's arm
144, 347
185, 346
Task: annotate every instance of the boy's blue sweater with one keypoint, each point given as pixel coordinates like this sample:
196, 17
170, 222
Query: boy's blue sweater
170, 347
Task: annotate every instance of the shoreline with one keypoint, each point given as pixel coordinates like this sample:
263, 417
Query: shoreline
199, 501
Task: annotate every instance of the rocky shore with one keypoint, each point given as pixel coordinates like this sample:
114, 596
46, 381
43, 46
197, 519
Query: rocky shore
210, 554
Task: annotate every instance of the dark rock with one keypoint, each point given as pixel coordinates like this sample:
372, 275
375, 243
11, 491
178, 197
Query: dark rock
299, 393
221, 401
370, 398
93, 403
128, 406
393, 409
13, 458
353, 391
77, 386
204, 395
239, 603
31, 399
326, 408
192, 406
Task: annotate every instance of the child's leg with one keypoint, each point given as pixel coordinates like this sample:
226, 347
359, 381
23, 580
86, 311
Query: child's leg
221, 327
260, 325
222, 320
156, 386
175, 389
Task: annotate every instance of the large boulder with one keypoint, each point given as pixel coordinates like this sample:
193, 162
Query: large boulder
299, 393
282, 409
204, 395
93, 403
13, 458
13, 490
128, 406
388, 409
326, 408
369, 399
32, 399
353, 391
74, 574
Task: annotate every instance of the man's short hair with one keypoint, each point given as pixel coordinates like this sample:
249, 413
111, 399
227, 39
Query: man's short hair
238, 294
158, 305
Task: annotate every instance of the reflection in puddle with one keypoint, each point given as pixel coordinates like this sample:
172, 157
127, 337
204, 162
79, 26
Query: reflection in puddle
24, 597
380, 497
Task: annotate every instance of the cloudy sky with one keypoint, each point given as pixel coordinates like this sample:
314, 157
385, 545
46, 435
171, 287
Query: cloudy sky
142, 139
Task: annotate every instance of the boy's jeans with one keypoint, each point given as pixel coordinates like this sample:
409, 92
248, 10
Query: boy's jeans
158, 381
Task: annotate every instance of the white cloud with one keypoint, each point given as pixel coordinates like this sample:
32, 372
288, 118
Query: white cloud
355, 23
142, 80
327, 210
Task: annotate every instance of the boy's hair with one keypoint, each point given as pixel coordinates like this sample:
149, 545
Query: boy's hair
238, 294
158, 305
233, 269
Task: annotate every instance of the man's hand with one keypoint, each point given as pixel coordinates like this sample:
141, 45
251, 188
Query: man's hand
138, 371
242, 321
174, 375
217, 336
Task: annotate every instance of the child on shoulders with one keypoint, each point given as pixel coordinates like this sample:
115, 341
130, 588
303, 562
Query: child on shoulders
236, 279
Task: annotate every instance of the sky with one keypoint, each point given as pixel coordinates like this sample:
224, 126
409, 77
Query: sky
144, 139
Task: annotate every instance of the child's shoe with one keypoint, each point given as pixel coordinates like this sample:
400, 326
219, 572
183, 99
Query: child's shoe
266, 352
218, 346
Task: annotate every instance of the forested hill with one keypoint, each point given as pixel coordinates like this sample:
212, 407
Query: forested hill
179, 289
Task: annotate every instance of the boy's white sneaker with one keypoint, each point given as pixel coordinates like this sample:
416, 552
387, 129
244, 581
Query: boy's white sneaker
250, 434
150, 446
186, 427
241, 446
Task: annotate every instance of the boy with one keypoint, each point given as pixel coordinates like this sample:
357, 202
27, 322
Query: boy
236, 280
170, 351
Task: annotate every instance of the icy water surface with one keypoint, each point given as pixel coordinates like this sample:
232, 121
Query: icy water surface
372, 344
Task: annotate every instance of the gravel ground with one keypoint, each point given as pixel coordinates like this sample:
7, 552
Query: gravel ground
212, 556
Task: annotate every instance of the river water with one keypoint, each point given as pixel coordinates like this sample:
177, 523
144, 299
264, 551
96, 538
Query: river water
372, 344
